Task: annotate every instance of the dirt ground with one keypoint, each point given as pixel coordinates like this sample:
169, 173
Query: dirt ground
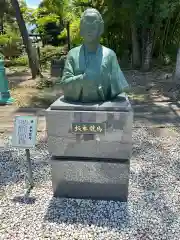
154, 86
25, 92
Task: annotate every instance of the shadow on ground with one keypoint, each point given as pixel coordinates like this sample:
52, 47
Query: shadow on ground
156, 85
46, 97
42, 102
16, 78
78, 212
24, 200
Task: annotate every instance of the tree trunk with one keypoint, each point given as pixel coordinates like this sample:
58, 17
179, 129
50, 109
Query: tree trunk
68, 36
1, 25
147, 48
27, 42
136, 56
177, 70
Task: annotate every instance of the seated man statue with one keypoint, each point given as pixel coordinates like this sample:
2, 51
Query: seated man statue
92, 72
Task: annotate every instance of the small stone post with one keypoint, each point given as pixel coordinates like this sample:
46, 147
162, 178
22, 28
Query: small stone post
5, 97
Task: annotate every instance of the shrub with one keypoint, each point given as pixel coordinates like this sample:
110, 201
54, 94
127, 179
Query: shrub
49, 52
11, 45
20, 61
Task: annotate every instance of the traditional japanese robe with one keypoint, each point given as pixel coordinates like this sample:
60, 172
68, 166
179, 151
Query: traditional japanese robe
105, 78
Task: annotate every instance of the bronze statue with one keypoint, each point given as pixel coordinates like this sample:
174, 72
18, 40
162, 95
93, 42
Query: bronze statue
92, 72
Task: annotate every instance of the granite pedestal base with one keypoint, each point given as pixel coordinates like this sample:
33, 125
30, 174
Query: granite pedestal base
90, 178
84, 165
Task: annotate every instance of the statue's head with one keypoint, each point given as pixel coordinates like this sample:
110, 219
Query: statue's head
91, 26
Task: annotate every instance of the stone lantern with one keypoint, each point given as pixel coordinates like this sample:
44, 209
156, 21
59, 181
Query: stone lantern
5, 97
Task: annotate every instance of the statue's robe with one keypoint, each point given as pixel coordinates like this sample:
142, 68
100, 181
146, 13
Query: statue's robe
105, 78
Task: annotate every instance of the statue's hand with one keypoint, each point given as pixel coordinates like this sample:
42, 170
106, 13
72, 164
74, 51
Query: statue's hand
89, 75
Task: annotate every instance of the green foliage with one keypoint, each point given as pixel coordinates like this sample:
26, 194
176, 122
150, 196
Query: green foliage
50, 52
19, 61
74, 33
47, 19
48, 24
160, 17
11, 44
10, 38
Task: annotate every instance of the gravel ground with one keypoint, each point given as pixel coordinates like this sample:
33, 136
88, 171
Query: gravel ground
152, 211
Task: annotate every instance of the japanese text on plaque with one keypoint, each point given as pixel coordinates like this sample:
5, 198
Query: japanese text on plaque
88, 128
25, 130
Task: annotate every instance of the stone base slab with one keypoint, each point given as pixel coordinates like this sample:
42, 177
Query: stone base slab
90, 179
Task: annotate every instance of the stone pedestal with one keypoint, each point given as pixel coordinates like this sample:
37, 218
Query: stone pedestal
57, 67
91, 146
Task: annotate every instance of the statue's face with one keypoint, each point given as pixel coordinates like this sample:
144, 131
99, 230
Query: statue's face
90, 28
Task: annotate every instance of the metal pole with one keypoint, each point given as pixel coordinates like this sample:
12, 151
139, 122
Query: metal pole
30, 177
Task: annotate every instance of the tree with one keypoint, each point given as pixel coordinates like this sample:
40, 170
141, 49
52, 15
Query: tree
51, 18
2, 11
146, 29
177, 69
28, 44
6, 13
